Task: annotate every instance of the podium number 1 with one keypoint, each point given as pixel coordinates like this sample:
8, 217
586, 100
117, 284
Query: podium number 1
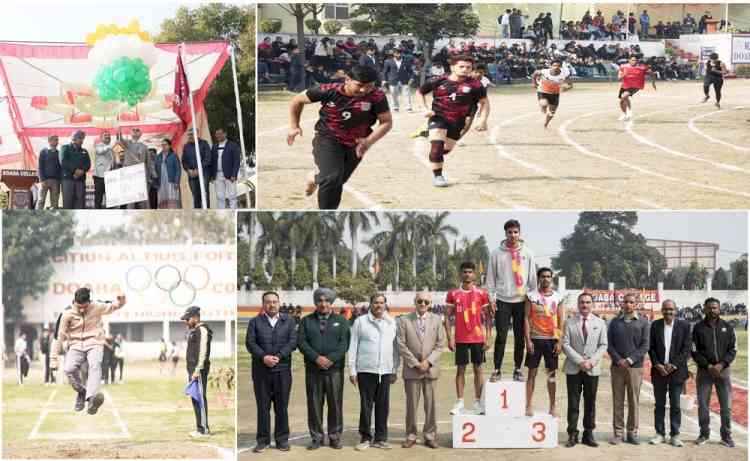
540, 434
468, 429
504, 395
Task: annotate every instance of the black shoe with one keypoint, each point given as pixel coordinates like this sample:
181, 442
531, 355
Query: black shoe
282, 446
727, 442
588, 439
518, 375
260, 448
94, 403
314, 445
633, 440
572, 440
336, 444
80, 401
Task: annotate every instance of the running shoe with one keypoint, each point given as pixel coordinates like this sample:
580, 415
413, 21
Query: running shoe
496, 376
94, 403
439, 181
458, 408
702, 440
420, 132
363, 445
658, 439
478, 408
676, 442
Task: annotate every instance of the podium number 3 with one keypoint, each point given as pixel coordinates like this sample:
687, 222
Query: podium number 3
540, 434
504, 395
468, 429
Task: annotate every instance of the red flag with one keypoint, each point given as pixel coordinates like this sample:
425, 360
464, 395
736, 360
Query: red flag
181, 93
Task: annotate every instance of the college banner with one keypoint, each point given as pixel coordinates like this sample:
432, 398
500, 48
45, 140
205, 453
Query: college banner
608, 300
741, 49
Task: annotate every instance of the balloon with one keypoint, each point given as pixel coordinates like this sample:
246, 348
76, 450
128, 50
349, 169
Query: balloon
126, 80
104, 31
113, 47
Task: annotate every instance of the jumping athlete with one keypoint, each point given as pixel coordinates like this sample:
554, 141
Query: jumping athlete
549, 83
470, 307
344, 131
715, 72
452, 98
633, 76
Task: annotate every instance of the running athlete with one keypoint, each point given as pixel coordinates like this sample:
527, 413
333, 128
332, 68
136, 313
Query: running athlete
470, 307
633, 76
479, 74
452, 98
344, 131
715, 72
549, 83
543, 326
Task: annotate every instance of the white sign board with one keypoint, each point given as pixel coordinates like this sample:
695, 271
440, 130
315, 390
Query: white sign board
741, 49
504, 398
484, 431
126, 185
160, 281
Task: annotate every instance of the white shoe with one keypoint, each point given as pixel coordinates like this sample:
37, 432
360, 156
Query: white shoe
460, 142
628, 114
623, 117
676, 442
196, 434
439, 181
478, 408
658, 439
362, 445
458, 408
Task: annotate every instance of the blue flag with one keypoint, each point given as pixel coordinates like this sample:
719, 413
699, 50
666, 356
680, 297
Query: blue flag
193, 389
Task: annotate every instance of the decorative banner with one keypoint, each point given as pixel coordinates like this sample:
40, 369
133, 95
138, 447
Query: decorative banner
612, 300
126, 185
741, 49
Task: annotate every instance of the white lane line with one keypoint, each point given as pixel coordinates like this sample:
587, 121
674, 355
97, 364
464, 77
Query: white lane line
643, 140
225, 453
81, 436
364, 198
694, 129
113, 408
564, 133
45, 410
504, 154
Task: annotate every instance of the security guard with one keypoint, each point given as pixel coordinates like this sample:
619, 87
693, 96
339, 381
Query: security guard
198, 363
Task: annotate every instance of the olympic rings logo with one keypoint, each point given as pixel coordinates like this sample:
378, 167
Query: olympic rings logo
182, 286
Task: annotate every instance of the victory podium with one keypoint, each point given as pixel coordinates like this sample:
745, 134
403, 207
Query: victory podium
504, 424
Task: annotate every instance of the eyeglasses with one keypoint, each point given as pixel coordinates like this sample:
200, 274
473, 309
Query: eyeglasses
426, 302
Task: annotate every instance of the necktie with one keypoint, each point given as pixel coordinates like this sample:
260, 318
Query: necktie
585, 330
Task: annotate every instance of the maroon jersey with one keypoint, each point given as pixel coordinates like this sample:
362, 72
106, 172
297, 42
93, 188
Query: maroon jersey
343, 118
453, 100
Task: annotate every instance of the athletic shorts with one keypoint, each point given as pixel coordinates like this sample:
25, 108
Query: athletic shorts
463, 350
552, 98
162, 357
542, 348
473, 110
453, 129
632, 91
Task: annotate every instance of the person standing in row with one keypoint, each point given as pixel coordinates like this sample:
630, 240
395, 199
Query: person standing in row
103, 162
225, 166
627, 337
271, 338
190, 165
45, 347
137, 153
421, 340
511, 273
324, 340
75, 162
373, 362
167, 178
50, 174
22, 358
669, 349
584, 343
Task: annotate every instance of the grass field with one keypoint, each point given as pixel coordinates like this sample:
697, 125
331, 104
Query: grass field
676, 153
145, 416
299, 439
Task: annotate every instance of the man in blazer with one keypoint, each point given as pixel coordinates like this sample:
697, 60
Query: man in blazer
271, 339
669, 349
397, 73
584, 344
225, 166
368, 59
420, 341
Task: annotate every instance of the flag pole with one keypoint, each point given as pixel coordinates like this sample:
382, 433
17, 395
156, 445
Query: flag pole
201, 180
239, 117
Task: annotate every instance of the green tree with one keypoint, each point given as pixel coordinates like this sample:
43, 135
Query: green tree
280, 278
302, 277
739, 273
437, 229
259, 279
576, 277
720, 281
180, 226
426, 279
597, 275
30, 241
695, 279
300, 11
354, 289
358, 221
428, 22
271, 238
217, 21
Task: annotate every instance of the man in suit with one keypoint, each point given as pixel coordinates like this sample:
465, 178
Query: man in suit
225, 166
368, 59
271, 339
669, 348
420, 341
324, 340
397, 73
627, 336
584, 344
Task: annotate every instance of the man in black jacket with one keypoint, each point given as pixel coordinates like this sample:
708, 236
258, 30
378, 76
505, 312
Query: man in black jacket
669, 349
197, 358
271, 338
714, 349
190, 165
397, 73
225, 166
50, 173
324, 340
75, 162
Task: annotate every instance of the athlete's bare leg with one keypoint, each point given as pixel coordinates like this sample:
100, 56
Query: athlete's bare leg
551, 388
310, 186
530, 390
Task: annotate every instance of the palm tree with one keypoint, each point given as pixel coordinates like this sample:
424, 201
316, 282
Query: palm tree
271, 239
414, 233
316, 228
248, 221
358, 220
334, 233
437, 229
291, 224
394, 244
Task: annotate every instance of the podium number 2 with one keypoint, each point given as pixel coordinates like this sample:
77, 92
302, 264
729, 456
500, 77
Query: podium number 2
468, 429
504, 395
540, 434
